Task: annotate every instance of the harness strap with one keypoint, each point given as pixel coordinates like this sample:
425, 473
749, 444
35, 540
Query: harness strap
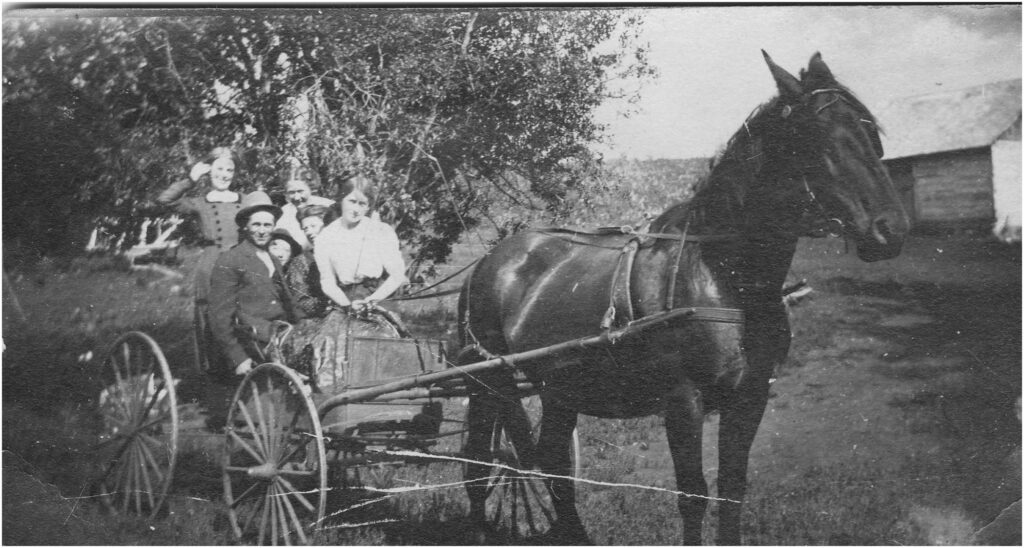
619, 291
724, 237
670, 297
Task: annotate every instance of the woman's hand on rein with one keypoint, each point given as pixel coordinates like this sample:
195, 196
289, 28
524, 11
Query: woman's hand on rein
363, 305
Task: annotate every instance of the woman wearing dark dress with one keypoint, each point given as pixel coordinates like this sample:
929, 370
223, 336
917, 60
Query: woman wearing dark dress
302, 276
214, 208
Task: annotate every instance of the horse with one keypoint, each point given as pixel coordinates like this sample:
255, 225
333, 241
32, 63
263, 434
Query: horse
805, 163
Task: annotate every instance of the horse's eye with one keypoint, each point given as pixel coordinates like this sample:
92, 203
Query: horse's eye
786, 111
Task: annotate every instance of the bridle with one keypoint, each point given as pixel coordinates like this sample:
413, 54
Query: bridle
815, 219
821, 224
839, 97
842, 95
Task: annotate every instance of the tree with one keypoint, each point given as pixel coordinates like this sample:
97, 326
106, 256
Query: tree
447, 110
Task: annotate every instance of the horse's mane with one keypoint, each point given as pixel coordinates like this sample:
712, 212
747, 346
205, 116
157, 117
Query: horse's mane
708, 187
736, 165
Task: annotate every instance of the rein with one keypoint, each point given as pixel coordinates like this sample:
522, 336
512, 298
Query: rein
420, 294
627, 230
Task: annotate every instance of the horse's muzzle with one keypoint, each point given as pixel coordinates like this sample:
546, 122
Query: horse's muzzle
885, 238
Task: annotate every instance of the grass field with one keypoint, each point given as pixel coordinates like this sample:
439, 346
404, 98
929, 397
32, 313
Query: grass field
892, 422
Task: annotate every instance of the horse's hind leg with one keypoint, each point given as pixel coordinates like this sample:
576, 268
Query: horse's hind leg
554, 456
484, 410
684, 427
476, 448
488, 406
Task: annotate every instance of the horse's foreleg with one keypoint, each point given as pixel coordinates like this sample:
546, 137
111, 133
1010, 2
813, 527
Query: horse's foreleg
684, 426
767, 341
554, 456
736, 432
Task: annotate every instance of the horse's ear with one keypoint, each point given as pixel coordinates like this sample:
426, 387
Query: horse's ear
817, 68
788, 84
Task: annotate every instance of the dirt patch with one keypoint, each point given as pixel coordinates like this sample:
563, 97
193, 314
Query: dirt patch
907, 320
891, 422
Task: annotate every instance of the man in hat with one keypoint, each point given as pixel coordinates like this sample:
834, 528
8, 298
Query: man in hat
247, 291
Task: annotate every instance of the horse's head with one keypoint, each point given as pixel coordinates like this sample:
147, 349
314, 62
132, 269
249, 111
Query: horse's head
830, 155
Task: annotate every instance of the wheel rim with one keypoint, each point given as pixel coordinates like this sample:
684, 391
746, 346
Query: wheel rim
520, 503
140, 416
274, 466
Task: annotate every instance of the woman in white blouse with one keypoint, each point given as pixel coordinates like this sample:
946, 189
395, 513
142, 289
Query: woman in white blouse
357, 255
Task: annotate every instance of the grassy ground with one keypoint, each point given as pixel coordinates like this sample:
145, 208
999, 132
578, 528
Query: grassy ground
891, 423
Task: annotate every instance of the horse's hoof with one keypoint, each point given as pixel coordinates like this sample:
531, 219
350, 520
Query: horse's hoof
475, 533
567, 534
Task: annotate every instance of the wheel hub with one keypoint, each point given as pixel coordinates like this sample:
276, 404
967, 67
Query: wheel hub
265, 471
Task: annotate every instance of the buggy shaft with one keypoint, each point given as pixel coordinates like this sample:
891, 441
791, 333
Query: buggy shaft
508, 361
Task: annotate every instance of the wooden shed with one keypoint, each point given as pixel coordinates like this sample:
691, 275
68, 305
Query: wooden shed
955, 156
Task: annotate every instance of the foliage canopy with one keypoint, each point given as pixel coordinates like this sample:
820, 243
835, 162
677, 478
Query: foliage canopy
453, 113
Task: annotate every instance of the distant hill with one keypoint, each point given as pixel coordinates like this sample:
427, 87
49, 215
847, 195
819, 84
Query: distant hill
642, 189
676, 176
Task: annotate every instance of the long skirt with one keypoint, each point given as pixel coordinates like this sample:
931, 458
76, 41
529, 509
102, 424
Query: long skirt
321, 348
203, 272
208, 354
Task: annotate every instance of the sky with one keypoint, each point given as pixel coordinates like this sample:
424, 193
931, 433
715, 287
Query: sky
712, 74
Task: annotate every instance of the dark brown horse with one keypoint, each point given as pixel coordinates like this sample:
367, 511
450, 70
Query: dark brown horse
803, 164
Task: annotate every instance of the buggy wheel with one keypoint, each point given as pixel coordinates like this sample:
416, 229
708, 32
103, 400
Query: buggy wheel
274, 465
140, 426
518, 502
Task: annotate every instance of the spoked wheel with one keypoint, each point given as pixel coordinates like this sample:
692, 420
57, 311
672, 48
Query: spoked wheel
275, 467
140, 423
519, 503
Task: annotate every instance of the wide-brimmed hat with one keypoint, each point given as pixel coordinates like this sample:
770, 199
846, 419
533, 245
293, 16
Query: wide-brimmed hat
311, 211
253, 202
283, 234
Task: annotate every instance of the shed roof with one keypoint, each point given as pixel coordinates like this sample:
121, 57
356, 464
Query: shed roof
950, 120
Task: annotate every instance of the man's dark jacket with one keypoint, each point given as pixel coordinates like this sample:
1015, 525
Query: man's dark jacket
243, 297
